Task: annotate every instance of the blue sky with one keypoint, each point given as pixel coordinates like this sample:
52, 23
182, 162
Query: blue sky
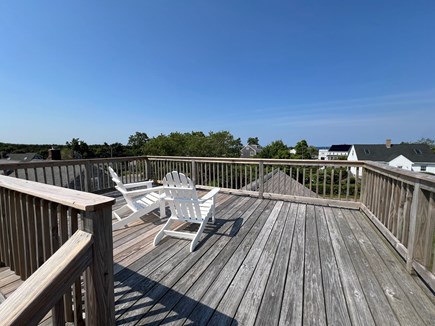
326, 71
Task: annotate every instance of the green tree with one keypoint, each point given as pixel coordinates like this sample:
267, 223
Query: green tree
223, 144
253, 141
276, 149
136, 142
77, 148
219, 144
305, 152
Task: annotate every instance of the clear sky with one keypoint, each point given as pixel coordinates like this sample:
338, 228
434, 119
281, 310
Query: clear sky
329, 72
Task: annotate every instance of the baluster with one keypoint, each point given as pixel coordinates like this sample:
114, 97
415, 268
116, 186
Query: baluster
340, 176
332, 182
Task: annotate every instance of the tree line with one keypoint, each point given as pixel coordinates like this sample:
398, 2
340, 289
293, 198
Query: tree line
196, 143
190, 144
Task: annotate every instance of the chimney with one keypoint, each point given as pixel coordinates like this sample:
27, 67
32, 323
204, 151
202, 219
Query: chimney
54, 154
388, 143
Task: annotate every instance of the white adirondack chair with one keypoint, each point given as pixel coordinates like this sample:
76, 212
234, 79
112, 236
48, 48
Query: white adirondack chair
138, 202
180, 193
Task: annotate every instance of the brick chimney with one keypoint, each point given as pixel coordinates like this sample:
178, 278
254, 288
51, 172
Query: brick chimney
388, 143
54, 154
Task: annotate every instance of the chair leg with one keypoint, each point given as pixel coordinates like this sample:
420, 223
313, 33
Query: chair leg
213, 210
135, 216
212, 215
198, 235
161, 233
121, 212
162, 209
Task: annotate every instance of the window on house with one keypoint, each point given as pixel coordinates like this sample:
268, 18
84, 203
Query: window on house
423, 168
418, 151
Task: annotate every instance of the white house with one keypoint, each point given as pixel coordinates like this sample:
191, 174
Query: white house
411, 157
323, 154
335, 152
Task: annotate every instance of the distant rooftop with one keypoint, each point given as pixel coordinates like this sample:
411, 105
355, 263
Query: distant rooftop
21, 158
382, 153
340, 148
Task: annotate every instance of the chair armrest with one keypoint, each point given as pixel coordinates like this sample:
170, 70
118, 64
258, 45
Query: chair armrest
139, 192
147, 184
210, 194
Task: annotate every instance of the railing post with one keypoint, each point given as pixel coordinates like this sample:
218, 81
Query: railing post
363, 191
261, 172
100, 308
412, 227
193, 171
147, 169
88, 175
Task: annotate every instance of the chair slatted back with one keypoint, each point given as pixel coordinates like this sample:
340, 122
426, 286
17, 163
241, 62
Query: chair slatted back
115, 178
122, 189
181, 196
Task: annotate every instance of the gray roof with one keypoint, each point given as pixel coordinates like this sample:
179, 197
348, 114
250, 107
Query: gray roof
340, 148
23, 157
279, 182
245, 151
417, 153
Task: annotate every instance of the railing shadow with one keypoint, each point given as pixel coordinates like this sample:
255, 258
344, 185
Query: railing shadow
142, 299
162, 300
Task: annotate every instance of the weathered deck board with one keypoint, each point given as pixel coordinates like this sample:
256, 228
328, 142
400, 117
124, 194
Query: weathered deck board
248, 308
377, 301
263, 262
401, 307
335, 302
270, 307
314, 306
358, 308
292, 303
418, 299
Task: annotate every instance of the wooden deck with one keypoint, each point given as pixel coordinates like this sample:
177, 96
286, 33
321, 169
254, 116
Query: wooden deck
267, 263
264, 262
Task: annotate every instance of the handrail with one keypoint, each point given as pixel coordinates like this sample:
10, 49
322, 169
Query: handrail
44, 288
37, 220
79, 200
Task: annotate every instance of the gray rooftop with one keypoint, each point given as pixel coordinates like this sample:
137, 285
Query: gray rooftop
414, 152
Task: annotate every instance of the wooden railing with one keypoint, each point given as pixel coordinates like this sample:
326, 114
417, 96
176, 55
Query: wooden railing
49, 236
322, 179
400, 203
83, 175
334, 180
